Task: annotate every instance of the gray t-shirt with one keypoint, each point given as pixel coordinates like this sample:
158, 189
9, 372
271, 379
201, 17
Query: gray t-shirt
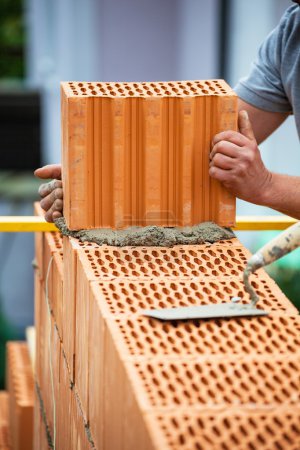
274, 82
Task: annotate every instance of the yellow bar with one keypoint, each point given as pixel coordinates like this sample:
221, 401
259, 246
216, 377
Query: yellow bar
263, 223
243, 223
25, 224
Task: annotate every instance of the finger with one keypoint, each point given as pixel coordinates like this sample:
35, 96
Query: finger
49, 171
54, 212
56, 215
48, 201
46, 188
245, 126
223, 162
230, 136
226, 148
219, 174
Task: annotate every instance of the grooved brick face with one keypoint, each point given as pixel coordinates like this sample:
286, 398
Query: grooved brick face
212, 382
5, 441
137, 154
142, 336
277, 429
147, 89
130, 297
177, 262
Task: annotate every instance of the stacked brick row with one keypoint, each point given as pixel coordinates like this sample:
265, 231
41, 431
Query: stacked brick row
20, 386
137, 154
125, 381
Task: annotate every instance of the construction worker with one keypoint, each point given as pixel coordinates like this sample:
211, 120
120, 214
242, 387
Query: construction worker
266, 97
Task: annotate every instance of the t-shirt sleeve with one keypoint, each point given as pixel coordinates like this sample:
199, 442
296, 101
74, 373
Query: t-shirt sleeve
263, 87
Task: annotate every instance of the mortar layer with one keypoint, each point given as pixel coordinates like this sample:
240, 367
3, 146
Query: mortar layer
150, 236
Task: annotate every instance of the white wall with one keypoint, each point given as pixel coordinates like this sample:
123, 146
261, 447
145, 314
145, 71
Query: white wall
115, 40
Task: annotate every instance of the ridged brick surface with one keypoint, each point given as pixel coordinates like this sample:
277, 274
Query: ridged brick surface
258, 381
267, 335
5, 439
276, 429
138, 153
21, 395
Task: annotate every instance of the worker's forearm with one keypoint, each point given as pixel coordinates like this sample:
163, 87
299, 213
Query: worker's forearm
283, 194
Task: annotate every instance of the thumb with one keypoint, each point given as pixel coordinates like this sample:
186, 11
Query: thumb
245, 126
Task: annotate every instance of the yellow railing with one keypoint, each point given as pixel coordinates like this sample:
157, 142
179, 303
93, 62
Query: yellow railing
243, 223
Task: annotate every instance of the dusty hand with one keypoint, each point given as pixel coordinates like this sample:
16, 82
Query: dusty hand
236, 162
52, 192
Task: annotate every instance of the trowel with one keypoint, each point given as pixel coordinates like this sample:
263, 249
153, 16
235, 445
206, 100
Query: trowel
281, 245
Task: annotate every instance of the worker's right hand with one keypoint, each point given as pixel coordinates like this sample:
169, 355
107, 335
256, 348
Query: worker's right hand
51, 192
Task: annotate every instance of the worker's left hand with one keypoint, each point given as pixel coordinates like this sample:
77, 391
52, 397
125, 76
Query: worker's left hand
51, 192
236, 162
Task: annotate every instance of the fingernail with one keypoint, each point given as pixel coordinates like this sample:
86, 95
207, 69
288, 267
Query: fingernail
245, 114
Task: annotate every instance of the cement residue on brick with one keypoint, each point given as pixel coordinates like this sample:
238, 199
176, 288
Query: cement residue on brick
150, 236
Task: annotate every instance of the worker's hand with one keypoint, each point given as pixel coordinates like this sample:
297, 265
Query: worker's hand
51, 192
236, 162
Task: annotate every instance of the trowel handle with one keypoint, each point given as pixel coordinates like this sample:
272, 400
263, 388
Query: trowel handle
283, 244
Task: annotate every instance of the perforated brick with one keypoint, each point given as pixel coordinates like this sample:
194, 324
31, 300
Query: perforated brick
251, 382
277, 428
129, 297
216, 260
142, 336
139, 155
147, 89
21, 394
71, 248
5, 439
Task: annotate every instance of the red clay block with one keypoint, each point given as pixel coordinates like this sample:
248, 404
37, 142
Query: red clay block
234, 428
156, 262
38, 242
43, 373
5, 438
130, 297
82, 327
40, 441
63, 405
21, 392
96, 386
149, 338
138, 153
71, 247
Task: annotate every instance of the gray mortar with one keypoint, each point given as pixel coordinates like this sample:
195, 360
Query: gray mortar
150, 236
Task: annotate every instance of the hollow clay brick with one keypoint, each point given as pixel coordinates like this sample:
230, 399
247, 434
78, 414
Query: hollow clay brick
250, 382
258, 430
43, 374
38, 242
21, 395
138, 153
156, 262
40, 436
5, 438
134, 379
130, 297
71, 247
147, 337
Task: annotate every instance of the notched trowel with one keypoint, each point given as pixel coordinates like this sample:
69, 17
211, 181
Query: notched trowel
275, 249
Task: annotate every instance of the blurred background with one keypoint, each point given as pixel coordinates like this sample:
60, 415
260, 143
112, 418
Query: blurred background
43, 42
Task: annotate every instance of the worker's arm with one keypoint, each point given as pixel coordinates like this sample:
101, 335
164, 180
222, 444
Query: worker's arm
236, 162
51, 192
263, 122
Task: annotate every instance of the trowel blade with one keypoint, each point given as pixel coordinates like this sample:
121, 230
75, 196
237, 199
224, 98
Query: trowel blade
223, 310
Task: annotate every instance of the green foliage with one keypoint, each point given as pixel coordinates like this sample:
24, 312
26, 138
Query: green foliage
11, 39
288, 279
6, 334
